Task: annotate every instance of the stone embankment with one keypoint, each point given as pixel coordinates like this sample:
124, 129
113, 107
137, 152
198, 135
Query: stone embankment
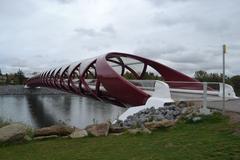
170, 113
20, 90
142, 122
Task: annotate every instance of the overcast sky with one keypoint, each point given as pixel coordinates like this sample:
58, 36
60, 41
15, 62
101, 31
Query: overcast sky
185, 34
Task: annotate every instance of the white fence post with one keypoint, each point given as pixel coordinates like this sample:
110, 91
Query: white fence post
205, 110
204, 94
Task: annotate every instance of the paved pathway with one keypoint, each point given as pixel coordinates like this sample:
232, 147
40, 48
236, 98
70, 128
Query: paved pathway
231, 105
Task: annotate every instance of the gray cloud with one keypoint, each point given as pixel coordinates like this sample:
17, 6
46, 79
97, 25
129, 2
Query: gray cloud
187, 35
162, 2
86, 32
90, 32
198, 22
65, 1
164, 49
108, 29
234, 47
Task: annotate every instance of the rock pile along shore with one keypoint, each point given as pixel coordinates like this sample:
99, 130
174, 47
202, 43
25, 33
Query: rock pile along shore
170, 113
142, 122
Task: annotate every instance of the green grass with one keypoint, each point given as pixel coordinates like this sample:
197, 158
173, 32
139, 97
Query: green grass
212, 138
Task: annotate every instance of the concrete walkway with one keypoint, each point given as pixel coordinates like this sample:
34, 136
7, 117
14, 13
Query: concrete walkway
232, 105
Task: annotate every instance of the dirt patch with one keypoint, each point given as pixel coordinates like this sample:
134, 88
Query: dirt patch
234, 117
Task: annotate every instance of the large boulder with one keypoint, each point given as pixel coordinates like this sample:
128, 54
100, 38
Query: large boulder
78, 133
101, 129
116, 129
135, 130
13, 132
139, 130
45, 137
60, 130
159, 124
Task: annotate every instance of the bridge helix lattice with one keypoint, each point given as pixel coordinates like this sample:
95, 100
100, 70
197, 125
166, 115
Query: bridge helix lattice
102, 78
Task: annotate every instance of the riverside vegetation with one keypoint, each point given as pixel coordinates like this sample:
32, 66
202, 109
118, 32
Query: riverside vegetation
188, 135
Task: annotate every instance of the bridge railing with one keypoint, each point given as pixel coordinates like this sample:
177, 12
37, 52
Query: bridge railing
203, 92
212, 88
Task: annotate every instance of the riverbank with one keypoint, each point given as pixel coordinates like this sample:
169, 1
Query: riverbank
212, 138
20, 90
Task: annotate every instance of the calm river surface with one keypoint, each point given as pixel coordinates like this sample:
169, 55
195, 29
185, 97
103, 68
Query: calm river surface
45, 110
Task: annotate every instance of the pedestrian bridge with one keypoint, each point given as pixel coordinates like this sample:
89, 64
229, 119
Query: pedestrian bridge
120, 78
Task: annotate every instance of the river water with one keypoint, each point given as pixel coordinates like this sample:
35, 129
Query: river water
45, 110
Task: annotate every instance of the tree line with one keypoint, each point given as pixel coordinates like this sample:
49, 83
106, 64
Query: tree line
204, 76
12, 78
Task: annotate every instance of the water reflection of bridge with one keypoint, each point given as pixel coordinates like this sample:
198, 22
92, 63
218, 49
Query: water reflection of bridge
46, 110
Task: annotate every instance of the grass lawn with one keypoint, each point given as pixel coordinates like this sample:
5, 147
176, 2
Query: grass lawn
212, 138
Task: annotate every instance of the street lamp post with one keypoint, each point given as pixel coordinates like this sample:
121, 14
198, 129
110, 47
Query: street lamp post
223, 80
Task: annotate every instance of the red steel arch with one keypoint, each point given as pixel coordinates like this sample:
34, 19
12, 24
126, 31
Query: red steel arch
97, 78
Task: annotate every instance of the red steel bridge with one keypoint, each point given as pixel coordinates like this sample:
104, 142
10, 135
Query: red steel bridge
102, 78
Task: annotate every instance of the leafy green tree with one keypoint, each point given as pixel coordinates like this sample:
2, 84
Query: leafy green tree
201, 75
7, 79
235, 81
19, 77
0, 72
129, 75
152, 76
